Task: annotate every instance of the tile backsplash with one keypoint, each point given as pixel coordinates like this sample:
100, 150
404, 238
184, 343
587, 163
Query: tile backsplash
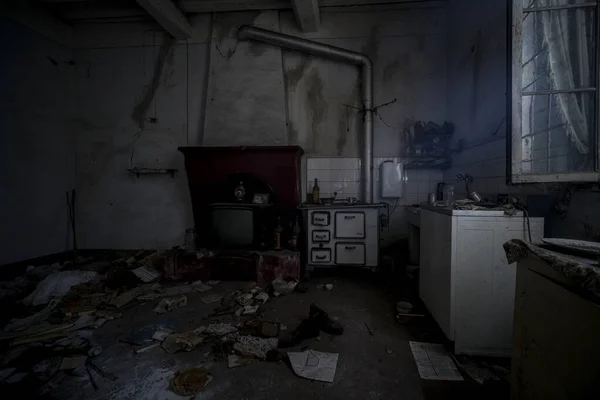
343, 175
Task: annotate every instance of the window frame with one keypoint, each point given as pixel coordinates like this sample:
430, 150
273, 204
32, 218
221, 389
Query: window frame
515, 174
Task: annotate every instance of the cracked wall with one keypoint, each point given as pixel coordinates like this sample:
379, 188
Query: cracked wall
138, 99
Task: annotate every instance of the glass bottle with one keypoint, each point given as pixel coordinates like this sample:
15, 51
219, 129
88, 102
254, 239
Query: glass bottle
316, 192
295, 234
190, 240
278, 233
448, 195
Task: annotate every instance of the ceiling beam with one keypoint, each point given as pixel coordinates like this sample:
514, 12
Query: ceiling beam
169, 16
307, 14
195, 6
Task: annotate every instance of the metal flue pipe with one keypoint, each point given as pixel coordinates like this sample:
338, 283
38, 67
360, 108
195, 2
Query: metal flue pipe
308, 46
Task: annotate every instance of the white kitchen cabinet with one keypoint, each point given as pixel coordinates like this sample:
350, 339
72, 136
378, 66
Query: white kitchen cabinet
465, 280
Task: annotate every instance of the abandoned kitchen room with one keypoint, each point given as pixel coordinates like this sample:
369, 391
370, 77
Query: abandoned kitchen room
282, 199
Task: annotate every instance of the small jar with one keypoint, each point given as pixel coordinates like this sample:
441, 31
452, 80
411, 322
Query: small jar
448, 195
190, 240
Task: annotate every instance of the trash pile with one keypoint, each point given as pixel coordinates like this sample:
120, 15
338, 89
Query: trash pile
54, 310
49, 333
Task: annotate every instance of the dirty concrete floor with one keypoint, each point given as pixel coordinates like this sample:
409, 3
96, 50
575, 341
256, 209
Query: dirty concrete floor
378, 366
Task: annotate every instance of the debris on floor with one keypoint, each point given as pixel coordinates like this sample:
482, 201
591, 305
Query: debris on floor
57, 284
125, 298
314, 365
189, 381
234, 360
146, 348
260, 328
434, 362
200, 287
170, 304
73, 362
211, 298
255, 346
186, 341
146, 274
283, 286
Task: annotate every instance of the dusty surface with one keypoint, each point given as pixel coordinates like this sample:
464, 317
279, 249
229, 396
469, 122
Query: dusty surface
369, 367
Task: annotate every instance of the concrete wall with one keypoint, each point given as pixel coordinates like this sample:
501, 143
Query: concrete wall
476, 95
476, 104
139, 95
36, 144
259, 94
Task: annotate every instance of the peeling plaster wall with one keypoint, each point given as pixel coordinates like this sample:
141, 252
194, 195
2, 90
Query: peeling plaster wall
408, 50
245, 101
261, 94
35, 145
139, 96
476, 95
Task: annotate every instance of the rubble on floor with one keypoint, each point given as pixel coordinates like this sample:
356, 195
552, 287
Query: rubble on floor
52, 339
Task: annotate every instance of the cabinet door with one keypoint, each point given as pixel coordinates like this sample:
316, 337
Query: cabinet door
350, 225
485, 285
320, 256
350, 253
435, 276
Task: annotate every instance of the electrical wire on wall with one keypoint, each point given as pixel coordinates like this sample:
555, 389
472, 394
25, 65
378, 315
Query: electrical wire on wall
526, 218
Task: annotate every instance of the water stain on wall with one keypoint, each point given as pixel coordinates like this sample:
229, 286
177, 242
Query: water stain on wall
477, 50
315, 102
292, 133
371, 47
226, 26
256, 49
141, 108
292, 76
345, 117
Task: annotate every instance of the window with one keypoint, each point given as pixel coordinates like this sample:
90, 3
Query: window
554, 77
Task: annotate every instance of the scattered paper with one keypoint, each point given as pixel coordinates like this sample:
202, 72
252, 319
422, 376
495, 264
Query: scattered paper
57, 284
233, 360
213, 283
200, 287
73, 362
314, 365
161, 334
262, 296
170, 304
433, 362
146, 274
253, 346
125, 298
211, 298
176, 290
250, 310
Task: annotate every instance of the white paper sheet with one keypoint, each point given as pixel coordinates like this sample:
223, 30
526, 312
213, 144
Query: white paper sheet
314, 365
433, 362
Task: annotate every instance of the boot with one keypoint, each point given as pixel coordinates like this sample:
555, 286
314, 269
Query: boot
325, 323
306, 329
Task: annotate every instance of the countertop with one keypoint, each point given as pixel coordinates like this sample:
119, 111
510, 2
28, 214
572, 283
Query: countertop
334, 206
584, 272
468, 213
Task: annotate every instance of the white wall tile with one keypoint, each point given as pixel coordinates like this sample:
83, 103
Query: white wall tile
312, 163
336, 163
324, 163
324, 175
336, 175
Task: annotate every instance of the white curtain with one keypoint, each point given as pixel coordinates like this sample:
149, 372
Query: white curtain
565, 35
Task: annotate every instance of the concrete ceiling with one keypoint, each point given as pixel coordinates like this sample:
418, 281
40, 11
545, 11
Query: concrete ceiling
173, 14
